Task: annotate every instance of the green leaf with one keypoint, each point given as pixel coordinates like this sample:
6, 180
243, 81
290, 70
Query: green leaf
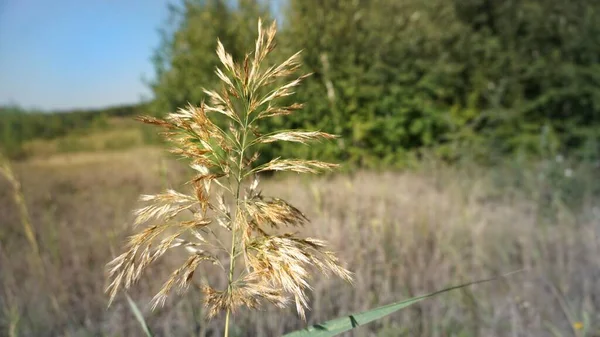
339, 325
138, 314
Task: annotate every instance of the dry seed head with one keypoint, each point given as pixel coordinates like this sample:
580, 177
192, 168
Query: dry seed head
166, 206
285, 260
297, 136
274, 212
225, 58
277, 266
180, 277
250, 291
296, 165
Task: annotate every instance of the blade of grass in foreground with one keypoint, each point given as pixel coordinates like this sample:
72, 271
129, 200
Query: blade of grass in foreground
140, 317
339, 325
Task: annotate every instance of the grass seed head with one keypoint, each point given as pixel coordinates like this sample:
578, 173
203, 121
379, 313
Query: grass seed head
277, 266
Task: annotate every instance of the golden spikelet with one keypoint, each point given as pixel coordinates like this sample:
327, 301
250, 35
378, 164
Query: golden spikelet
296, 136
277, 266
274, 212
295, 165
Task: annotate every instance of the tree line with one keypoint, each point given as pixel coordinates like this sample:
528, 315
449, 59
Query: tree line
478, 79
397, 79
18, 125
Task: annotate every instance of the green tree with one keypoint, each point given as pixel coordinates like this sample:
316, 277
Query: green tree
384, 75
534, 67
185, 61
478, 79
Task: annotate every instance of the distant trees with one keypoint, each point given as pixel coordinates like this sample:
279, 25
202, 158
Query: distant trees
386, 73
18, 126
461, 78
477, 79
534, 66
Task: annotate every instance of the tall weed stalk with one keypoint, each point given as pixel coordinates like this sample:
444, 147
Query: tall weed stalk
231, 224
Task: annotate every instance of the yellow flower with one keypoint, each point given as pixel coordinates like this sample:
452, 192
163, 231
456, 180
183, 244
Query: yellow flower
578, 325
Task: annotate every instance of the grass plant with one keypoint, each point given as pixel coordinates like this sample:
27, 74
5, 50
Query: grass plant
265, 261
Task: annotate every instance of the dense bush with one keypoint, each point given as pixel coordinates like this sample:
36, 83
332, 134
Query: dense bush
475, 78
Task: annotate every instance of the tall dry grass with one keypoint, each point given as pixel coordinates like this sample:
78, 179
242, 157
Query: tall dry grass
267, 261
402, 234
6, 172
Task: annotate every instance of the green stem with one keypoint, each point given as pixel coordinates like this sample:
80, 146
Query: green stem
227, 323
233, 253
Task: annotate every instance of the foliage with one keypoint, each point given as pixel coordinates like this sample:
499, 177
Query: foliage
467, 80
18, 125
340, 325
473, 79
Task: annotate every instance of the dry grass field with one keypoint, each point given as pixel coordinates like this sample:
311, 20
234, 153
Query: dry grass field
403, 234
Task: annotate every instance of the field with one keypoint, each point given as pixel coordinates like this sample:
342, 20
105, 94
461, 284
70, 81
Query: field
401, 233
467, 132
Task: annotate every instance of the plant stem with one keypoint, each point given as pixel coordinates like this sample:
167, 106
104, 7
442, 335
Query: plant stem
231, 265
227, 323
232, 253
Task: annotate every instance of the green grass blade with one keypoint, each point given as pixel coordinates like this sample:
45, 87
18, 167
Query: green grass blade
138, 314
339, 325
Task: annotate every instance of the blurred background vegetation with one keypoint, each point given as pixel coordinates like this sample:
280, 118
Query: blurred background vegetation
457, 79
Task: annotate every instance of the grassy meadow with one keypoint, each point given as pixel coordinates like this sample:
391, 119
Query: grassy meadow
402, 233
468, 135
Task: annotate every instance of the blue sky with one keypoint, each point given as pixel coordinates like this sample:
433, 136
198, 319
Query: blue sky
61, 54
